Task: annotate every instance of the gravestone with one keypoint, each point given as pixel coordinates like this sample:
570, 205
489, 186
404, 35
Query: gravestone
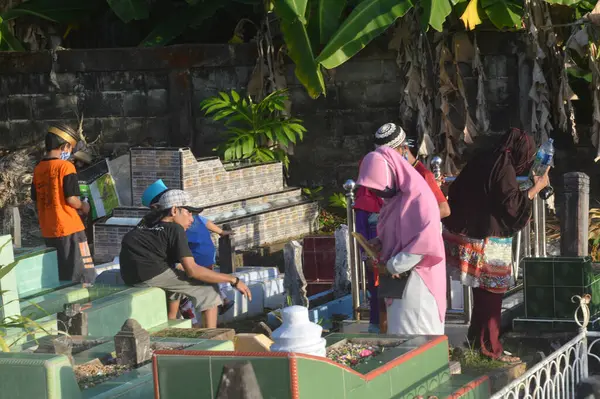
132, 344
226, 264
294, 281
73, 320
574, 221
238, 381
342, 283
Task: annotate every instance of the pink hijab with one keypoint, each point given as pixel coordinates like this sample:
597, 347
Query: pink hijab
409, 222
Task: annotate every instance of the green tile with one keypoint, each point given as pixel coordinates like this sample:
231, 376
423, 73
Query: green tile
564, 308
569, 274
539, 302
313, 375
379, 387
538, 272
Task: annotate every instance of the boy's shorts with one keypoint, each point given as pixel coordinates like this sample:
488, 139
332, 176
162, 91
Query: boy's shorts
176, 282
75, 261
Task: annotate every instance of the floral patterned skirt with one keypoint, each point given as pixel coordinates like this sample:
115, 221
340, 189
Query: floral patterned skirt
485, 264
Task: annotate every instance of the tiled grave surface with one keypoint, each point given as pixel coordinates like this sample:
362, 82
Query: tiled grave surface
206, 179
550, 283
9, 294
252, 199
25, 375
318, 258
32, 376
415, 367
37, 270
254, 230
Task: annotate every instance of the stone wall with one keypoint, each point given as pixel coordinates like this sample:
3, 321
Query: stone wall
134, 96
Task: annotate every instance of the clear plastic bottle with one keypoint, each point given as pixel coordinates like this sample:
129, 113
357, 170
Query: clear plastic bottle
543, 158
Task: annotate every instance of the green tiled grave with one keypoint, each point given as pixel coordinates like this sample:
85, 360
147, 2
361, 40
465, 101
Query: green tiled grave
417, 366
550, 283
37, 269
33, 376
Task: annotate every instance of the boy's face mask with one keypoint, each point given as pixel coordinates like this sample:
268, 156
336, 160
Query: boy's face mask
65, 154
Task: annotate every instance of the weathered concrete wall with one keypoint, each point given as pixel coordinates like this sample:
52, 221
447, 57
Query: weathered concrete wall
134, 96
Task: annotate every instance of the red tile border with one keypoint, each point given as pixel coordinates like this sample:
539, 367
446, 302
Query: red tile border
469, 387
155, 376
294, 384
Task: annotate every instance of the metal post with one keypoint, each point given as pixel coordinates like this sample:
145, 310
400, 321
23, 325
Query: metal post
536, 226
349, 187
517, 256
527, 240
542, 219
467, 303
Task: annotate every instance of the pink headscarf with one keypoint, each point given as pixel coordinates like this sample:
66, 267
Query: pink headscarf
409, 222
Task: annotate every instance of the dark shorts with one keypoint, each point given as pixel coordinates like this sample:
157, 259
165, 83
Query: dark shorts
74, 258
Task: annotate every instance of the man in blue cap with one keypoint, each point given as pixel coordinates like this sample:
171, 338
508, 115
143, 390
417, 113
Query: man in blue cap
200, 243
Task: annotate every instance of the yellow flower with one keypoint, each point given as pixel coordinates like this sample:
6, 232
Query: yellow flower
471, 17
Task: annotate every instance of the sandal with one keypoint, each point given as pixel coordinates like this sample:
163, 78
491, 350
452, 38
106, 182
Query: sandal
509, 359
225, 307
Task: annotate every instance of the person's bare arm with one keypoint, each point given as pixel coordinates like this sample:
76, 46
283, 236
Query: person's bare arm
444, 210
211, 277
216, 229
75, 203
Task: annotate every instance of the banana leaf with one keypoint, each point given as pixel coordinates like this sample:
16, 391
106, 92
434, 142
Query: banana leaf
368, 20
8, 41
61, 11
503, 13
291, 10
129, 10
327, 18
563, 2
434, 13
175, 24
293, 27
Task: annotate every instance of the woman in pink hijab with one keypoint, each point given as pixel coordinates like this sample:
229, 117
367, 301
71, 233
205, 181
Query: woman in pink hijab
410, 244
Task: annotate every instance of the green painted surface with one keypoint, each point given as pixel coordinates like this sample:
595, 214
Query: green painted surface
28, 376
176, 372
179, 323
146, 305
550, 283
44, 326
36, 270
9, 304
135, 384
455, 384
54, 302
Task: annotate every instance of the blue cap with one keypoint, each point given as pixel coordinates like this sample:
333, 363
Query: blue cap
156, 188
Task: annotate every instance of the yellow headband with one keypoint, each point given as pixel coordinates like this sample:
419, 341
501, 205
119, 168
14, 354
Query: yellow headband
63, 135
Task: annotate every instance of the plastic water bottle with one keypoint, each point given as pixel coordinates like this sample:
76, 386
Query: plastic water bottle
541, 163
543, 158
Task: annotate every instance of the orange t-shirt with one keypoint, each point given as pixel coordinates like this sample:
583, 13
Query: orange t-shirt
53, 181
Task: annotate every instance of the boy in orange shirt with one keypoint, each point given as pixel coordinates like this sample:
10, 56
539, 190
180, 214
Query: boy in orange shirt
55, 189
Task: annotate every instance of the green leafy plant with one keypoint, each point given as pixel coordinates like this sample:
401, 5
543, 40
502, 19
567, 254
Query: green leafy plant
313, 194
338, 200
329, 222
258, 132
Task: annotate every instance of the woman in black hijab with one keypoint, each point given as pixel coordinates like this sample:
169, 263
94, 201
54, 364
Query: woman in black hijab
488, 208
